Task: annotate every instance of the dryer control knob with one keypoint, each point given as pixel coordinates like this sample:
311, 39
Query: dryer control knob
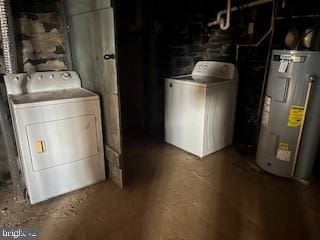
66, 75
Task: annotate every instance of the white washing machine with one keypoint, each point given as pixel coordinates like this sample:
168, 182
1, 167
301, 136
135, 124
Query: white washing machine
58, 131
200, 108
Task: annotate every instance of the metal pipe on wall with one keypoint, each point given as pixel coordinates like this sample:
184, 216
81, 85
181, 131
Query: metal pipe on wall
10, 60
299, 17
257, 44
265, 76
221, 21
8, 41
223, 25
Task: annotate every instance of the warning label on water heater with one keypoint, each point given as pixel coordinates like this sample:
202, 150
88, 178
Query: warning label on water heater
283, 155
266, 111
296, 116
283, 152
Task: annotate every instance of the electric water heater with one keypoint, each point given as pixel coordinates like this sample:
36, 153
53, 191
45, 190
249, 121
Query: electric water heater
290, 125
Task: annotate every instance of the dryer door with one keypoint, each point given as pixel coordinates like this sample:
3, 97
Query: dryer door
62, 141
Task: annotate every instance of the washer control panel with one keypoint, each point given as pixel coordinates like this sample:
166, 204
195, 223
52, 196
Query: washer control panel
214, 69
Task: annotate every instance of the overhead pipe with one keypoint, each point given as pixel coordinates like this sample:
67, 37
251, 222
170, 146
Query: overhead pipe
223, 25
299, 17
221, 21
11, 66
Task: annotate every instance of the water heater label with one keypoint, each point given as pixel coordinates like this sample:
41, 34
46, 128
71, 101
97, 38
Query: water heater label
296, 116
283, 155
266, 111
265, 118
283, 66
287, 57
284, 146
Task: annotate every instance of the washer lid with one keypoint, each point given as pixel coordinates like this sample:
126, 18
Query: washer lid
51, 97
200, 81
209, 73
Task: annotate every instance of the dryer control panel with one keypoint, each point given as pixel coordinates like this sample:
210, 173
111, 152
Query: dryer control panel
23, 83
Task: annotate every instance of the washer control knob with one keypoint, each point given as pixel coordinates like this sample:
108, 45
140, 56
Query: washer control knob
16, 78
40, 77
51, 76
66, 75
224, 69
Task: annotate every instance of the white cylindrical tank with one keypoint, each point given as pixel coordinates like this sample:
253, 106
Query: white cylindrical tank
290, 134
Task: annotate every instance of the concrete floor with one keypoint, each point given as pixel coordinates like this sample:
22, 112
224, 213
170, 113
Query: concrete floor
174, 195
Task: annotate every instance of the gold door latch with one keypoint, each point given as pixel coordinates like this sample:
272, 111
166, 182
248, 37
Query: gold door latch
41, 146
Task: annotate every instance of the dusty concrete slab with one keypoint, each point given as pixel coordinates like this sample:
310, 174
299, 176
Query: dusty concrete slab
175, 195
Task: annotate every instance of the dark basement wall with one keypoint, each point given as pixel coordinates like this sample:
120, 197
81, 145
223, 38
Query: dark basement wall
181, 38
130, 47
166, 38
157, 39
